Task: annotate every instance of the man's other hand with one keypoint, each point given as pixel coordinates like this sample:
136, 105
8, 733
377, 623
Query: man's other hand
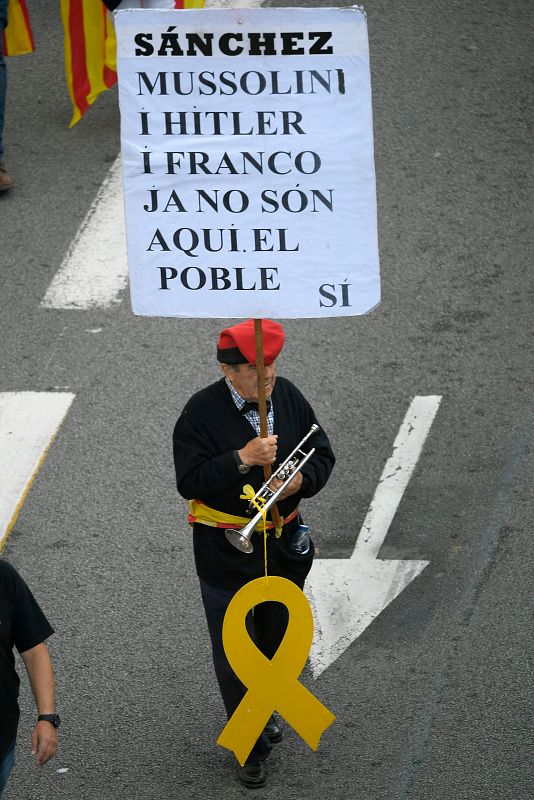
292, 487
44, 742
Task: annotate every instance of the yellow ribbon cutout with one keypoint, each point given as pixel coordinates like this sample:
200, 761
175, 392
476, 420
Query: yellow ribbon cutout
272, 684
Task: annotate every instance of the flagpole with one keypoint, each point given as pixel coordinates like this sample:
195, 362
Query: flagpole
262, 407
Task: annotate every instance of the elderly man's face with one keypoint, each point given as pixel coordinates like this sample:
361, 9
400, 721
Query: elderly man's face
244, 379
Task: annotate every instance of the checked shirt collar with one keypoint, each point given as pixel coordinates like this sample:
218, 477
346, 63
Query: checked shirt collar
252, 416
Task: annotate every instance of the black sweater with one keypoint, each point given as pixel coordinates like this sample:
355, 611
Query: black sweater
208, 430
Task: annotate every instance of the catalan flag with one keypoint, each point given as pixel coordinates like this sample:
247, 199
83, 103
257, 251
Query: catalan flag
189, 3
113, 4
90, 49
17, 37
90, 52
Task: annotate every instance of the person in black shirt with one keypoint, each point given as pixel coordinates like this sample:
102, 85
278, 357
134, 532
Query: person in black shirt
24, 626
217, 449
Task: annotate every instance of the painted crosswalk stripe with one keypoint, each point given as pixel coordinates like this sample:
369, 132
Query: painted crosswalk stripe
29, 422
94, 273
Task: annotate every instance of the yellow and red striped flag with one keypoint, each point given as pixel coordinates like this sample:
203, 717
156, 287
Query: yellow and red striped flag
90, 50
189, 3
17, 37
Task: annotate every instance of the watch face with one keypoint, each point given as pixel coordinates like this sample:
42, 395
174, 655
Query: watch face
243, 469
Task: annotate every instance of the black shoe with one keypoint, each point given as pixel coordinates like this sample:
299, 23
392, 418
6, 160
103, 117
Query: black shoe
252, 775
273, 731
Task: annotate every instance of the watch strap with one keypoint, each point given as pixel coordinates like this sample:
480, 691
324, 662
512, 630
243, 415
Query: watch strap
242, 468
52, 718
237, 460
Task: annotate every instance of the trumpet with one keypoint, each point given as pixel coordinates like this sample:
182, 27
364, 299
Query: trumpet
268, 497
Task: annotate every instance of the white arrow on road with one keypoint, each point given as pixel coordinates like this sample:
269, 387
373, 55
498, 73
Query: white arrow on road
347, 594
28, 423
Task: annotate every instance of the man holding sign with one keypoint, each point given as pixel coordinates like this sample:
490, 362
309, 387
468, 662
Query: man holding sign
249, 187
218, 449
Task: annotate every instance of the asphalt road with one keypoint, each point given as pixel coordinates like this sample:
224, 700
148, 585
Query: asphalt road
434, 700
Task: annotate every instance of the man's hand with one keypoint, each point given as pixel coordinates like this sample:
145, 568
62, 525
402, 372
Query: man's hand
39, 668
292, 487
44, 742
260, 451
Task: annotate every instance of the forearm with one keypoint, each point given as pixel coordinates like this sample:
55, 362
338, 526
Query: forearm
207, 478
39, 668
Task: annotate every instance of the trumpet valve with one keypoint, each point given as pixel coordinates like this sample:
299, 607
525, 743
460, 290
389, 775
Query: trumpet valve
285, 471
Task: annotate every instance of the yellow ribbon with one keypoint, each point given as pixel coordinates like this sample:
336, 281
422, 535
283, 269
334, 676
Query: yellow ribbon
258, 503
272, 684
249, 494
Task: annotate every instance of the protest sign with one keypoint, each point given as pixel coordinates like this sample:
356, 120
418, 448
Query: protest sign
247, 151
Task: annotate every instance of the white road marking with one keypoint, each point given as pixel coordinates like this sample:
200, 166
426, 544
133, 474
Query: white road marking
348, 594
28, 424
94, 273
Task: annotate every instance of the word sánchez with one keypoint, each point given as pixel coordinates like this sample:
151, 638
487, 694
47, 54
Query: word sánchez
296, 43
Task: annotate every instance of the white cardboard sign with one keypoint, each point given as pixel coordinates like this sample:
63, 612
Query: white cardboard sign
247, 152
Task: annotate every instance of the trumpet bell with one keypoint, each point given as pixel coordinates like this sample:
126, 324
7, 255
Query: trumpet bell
239, 540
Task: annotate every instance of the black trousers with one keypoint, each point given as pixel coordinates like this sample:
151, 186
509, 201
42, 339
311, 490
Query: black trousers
266, 624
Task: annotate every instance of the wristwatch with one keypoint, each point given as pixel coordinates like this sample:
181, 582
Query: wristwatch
53, 719
241, 468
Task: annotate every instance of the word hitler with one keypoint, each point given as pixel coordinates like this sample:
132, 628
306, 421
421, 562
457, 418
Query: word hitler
316, 43
222, 123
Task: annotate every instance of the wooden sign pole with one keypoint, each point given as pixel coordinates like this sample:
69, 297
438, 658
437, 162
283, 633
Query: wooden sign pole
262, 406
